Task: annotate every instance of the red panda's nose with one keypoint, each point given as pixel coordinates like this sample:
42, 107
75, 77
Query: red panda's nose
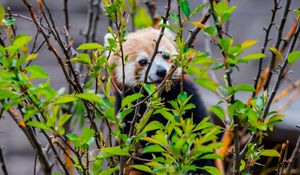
161, 72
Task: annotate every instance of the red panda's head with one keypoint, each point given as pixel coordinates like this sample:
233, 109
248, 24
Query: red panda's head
138, 48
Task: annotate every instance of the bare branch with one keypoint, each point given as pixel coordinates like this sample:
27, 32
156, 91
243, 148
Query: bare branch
280, 75
46, 165
263, 49
191, 38
2, 162
293, 157
161, 34
277, 44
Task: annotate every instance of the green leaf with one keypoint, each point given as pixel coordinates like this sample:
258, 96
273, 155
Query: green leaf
144, 120
153, 149
252, 116
90, 46
197, 9
270, 153
142, 19
225, 43
115, 151
109, 171
208, 84
218, 111
150, 88
297, 12
2, 12
5, 94
243, 164
131, 98
248, 43
82, 58
210, 30
293, 57
36, 72
276, 52
72, 136
87, 135
154, 125
211, 170
142, 168
32, 56
212, 156
244, 87
56, 174
253, 56
184, 6
66, 99
39, 125
91, 97
63, 119
10, 22
277, 118
21, 40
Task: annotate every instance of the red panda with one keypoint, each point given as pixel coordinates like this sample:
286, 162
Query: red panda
138, 48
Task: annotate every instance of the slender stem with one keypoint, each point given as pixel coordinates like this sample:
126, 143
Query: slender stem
35, 163
67, 23
192, 36
2, 162
87, 30
46, 165
161, 34
267, 39
228, 83
96, 19
277, 44
280, 75
293, 158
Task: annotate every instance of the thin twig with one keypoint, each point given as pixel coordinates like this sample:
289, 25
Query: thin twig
282, 158
67, 23
228, 83
96, 20
35, 163
277, 44
280, 75
87, 30
267, 39
293, 157
46, 165
192, 36
161, 34
2, 162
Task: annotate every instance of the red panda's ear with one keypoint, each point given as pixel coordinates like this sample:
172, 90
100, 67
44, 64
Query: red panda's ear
106, 38
168, 32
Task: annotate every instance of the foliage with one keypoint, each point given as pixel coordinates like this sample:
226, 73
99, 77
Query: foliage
26, 93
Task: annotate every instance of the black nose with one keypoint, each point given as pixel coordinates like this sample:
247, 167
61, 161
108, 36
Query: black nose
161, 72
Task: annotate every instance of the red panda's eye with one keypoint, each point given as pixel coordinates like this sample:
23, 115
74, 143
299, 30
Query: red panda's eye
143, 62
166, 56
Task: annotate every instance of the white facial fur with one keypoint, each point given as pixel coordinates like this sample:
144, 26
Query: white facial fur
129, 74
158, 61
138, 49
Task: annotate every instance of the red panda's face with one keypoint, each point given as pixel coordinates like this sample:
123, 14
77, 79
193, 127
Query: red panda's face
138, 48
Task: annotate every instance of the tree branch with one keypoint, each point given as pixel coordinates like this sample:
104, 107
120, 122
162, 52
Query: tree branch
46, 165
294, 156
267, 39
2, 162
192, 36
281, 73
277, 44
